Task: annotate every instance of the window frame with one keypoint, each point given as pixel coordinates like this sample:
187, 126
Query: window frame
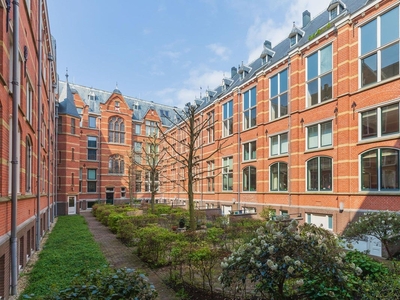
90, 122
249, 109
227, 173
280, 94
323, 185
227, 118
116, 130
379, 121
284, 182
279, 144
91, 182
319, 135
249, 179
248, 148
91, 149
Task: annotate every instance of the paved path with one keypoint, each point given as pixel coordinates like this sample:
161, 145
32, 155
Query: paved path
120, 256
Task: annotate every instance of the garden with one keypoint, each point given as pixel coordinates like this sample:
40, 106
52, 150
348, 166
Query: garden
227, 258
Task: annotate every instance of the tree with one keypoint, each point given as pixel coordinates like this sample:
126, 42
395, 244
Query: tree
383, 225
192, 124
147, 159
287, 261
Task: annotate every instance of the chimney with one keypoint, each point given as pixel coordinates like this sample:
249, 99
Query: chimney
233, 72
306, 18
267, 44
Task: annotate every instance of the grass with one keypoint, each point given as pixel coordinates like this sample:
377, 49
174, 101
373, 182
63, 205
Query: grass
69, 249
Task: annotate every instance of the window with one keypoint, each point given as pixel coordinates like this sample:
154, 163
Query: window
380, 170
72, 126
29, 99
278, 173
151, 128
91, 180
319, 135
320, 220
279, 144
249, 151
379, 48
80, 179
138, 129
380, 121
149, 181
59, 125
123, 192
116, 164
250, 179
278, 86
72, 154
210, 176
210, 126
335, 10
319, 76
227, 115
28, 170
249, 108
92, 122
227, 174
138, 181
116, 130
319, 174
137, 147
92, 148
164, 113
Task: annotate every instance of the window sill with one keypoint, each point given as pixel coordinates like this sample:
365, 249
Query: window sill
394, 136
319, 149
278, 156
375, 84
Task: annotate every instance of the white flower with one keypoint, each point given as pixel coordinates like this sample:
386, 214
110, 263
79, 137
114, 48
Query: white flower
287, 259
358, 271
344, 278
290, 270
299, 282
274, 267
271, 249
224, 265
297, 263
342, 254
297, 237
352, 265
257, 251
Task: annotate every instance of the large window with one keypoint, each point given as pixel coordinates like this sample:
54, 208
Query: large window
149, 181
249, 151
151, 128
319, 135
380, 169
279, 172
92, 148
138, 129
210, 176
116, 164
319, 76
116, 130
249, 108
279, 144
227, 174
320, 220
319, 174
92, 122
91, 180
210, 126
278, 86
380, 121
138, 181
137, 147
379, 49
250, 179
227, 118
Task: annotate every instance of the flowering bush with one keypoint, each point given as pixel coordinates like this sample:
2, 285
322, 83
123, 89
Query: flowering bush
288, 261
384, 225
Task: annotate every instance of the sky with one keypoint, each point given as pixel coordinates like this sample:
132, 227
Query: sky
166, 51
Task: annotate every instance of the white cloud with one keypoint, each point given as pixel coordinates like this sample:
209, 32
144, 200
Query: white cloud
219, 50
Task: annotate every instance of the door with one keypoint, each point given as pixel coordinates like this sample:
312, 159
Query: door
110, 198
72, 205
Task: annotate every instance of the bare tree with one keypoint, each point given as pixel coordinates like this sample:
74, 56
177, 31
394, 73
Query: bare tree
192, 123
149, 160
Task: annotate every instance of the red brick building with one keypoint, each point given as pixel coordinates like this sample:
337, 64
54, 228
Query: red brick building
27, 134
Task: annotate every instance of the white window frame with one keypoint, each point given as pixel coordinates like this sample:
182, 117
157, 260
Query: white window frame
279, 144
319, 135
248, 148
227, 118
250, 110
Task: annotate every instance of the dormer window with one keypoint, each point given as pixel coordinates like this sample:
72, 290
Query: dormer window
293, 40
335, 8
295, 35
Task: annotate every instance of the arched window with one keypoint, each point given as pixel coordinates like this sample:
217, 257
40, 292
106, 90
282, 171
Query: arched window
319, 174
249, 179
116, 130
116, 164
380, 169
278, 174
28, 167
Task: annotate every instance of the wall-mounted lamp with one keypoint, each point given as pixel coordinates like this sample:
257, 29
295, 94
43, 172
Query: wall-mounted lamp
354, 105
341, 206
302, 122
266, 132
336, 111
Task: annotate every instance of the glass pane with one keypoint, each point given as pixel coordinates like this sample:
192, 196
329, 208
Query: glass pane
253, 120
283, 83
246, 120
91, 175
313, 92
326, 173
312, 174
246, 152
230, 107
369, 167
390, 20
390, 119
274, 108
253, 97
274, 86
253, 179
274, 145
326, 59
368, 70
312, 134
253, 150
326, 87
92, 142
284, 143
390, 61
284, 104
390, 169
246, 179
326, 134
282, 177
368, 37
369, 124
274, 177
312, 66
246, 103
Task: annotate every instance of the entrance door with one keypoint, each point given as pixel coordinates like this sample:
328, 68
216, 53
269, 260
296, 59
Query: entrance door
72, 205
110, 198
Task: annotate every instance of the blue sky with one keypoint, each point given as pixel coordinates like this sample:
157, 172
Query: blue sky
166, 51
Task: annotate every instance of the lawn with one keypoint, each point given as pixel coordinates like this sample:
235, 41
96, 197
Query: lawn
69, 249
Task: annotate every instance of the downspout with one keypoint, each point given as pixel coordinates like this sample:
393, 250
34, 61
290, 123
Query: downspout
100, 162
239, 94
289, 184
48, 147
56, 162
14, 157
39, 124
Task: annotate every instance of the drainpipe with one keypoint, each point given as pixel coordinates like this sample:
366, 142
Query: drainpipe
99, 157
49, 58
56, 161
239, 94
288, 175
14, 157
39, 124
